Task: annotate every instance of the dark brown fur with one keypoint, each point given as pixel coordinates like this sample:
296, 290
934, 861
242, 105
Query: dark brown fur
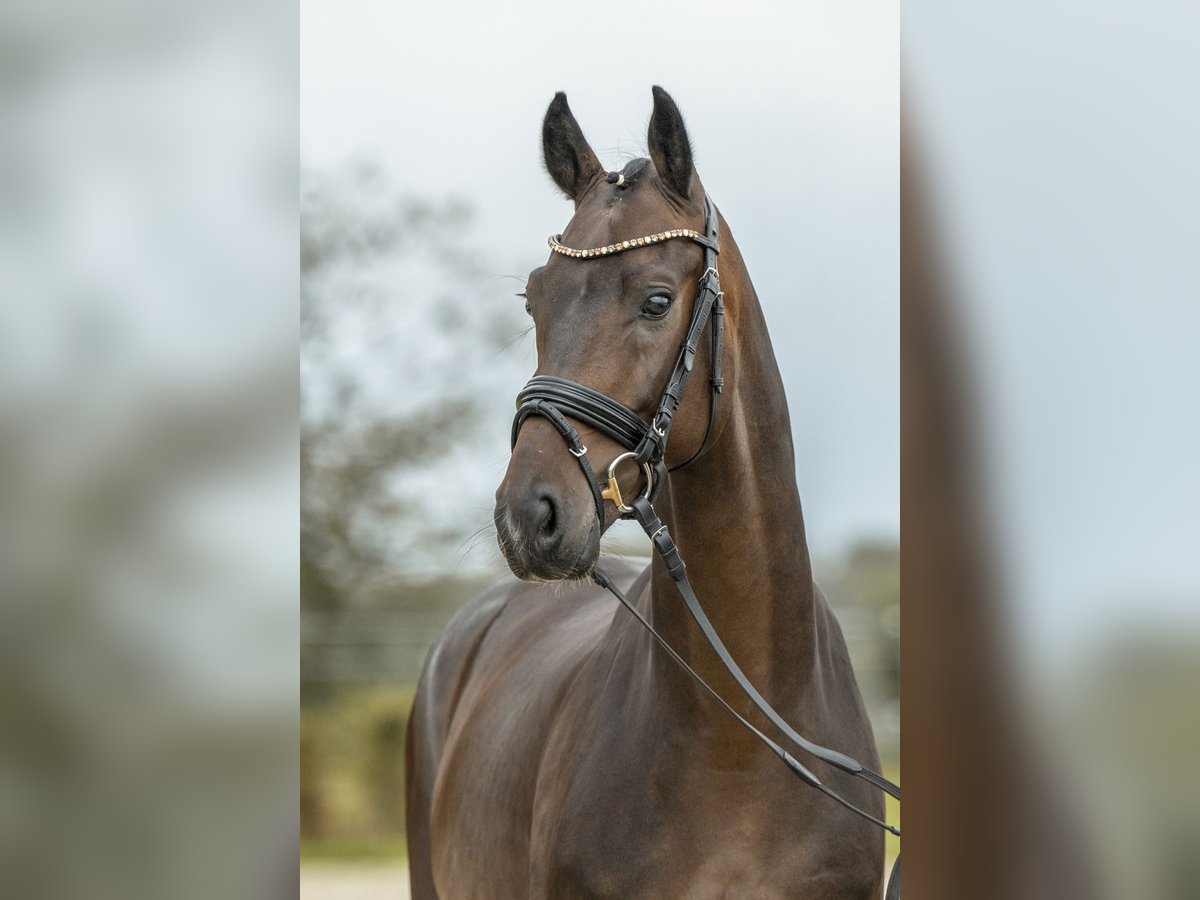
554, 750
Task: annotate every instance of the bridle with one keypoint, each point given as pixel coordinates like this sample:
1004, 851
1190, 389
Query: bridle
645, 444
559, 399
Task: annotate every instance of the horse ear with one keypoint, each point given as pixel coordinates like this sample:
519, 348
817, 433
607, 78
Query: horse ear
569, 159
670, 148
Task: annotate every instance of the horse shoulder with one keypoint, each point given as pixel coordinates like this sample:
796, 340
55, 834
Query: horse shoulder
497, 679
446, 670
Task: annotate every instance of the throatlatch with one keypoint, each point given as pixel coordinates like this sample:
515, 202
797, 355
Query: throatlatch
559, 399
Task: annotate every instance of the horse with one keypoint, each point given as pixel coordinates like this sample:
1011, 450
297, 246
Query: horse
554, 749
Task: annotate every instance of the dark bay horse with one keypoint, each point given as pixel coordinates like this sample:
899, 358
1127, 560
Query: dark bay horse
554, 749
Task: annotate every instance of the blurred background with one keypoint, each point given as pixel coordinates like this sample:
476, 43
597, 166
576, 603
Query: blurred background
424, 204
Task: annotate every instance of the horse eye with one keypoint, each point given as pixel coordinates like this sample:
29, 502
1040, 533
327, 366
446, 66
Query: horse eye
656, 307
528, 309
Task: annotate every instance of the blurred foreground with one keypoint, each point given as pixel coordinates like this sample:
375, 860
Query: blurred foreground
1051, 591
147, 451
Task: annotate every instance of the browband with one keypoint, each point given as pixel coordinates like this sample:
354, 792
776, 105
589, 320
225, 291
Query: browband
621, 246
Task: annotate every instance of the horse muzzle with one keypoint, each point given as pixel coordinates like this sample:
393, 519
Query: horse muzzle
546, 522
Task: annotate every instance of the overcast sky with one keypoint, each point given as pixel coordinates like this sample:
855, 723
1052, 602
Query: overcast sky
794, 122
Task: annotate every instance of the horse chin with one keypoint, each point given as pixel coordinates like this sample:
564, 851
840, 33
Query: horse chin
567, 563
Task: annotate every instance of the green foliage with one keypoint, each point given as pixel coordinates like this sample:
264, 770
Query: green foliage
352, 765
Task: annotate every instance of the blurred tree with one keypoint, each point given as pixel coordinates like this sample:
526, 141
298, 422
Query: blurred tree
402, 326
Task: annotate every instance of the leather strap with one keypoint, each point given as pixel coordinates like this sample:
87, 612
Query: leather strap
654, 445
581, 402
665, 545
602, 579
716, 382
574, 443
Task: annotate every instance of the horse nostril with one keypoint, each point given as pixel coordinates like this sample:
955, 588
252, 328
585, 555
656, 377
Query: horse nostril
546, 520
543, 517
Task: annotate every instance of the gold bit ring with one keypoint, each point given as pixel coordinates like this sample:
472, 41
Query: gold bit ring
613, 491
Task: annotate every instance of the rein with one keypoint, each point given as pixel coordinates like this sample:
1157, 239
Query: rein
559, 399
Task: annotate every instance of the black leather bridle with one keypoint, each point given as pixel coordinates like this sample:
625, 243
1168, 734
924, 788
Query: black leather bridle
558, 400
645, 444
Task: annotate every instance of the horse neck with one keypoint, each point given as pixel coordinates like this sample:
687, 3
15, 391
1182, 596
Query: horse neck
735, 515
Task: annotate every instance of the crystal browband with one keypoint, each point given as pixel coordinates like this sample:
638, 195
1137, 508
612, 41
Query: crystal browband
624, 245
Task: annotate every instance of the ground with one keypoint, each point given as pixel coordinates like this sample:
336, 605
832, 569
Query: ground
353, 881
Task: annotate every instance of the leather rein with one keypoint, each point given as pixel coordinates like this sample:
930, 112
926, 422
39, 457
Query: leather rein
558, 400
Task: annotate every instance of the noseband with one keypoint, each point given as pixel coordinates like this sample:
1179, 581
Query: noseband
560, 399
556, 399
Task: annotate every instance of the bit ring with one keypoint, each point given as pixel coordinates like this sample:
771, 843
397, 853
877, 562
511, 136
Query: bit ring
613, 491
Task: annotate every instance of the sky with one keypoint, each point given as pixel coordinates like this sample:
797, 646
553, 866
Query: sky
793, 112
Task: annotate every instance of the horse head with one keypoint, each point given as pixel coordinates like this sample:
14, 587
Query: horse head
613, 321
